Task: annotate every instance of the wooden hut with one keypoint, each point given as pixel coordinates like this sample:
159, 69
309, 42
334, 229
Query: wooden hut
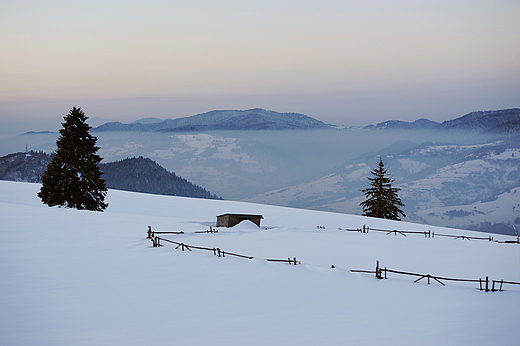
230, 220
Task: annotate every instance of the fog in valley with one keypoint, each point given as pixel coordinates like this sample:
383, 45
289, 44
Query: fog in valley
241, 164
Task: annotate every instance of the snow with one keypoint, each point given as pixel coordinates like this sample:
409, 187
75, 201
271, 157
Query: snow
412, 166
508, 154
504, 209
455, 148
84, 278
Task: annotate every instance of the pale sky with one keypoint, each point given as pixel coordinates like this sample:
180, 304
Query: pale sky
342, 62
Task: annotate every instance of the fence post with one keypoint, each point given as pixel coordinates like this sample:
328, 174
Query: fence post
487, 284
149, 232
378, 274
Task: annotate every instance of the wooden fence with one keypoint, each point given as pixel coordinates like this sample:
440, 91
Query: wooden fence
379, 271
483, 284
429, 234
156, 241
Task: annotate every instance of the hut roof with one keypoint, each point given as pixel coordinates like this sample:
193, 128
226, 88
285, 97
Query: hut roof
242, 215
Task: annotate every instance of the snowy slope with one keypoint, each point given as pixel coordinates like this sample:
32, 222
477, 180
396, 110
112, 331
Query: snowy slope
85, 278
505, 209
430, 176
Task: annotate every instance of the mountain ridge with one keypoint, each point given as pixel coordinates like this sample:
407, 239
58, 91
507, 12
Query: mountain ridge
251, 119
504, 121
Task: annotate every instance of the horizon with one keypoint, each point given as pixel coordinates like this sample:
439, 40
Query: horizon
96, 122
344, 63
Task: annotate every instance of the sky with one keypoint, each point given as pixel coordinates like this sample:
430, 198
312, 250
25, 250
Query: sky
342, 62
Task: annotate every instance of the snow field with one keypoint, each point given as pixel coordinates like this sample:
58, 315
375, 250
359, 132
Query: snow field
83, 278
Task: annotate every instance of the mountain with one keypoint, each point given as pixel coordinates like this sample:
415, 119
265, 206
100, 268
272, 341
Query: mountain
252, 119
505, 121
439, 178
509, 127
420, 124
482, 121
131, 174
147, 121
73, 277
38, 133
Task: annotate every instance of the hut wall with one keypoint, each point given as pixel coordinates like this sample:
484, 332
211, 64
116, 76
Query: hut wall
232, 220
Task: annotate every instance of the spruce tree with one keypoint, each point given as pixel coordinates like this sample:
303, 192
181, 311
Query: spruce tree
73, 178
382, 199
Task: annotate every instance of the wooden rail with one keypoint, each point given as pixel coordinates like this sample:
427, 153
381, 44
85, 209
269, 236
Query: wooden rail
288, 260
216, 251
428, 234
501, 283
379, 275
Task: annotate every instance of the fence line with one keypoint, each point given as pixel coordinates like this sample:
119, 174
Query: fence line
216, 251
429, 234
366, 229
379, 270
379, 275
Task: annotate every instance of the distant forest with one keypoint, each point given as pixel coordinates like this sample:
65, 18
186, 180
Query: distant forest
141, 174
136, 174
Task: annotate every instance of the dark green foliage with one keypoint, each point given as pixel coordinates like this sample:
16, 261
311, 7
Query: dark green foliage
144, 175
73, 178
382, 199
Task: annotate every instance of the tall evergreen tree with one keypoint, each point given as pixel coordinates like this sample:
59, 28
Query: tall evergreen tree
73, 178
382, 199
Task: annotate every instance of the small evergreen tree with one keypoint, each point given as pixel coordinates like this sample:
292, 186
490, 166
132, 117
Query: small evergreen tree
382, 199
73, 178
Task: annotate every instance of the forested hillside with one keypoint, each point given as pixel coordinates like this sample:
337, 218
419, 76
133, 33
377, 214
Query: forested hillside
26, 167
144, 175
131, 174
